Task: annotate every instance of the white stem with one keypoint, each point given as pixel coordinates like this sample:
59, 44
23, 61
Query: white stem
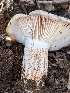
35, 60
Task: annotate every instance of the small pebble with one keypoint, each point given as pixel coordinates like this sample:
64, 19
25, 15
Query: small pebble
68, 52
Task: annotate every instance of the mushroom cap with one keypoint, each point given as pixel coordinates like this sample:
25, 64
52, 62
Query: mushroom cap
43, 26
13, 29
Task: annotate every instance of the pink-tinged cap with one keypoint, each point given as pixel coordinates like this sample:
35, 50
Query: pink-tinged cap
43, 26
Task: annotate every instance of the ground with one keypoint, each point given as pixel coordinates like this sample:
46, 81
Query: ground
11, 54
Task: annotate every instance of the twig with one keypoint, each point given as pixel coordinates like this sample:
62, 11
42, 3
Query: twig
54, 2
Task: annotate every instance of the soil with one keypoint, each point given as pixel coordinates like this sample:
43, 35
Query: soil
11, 55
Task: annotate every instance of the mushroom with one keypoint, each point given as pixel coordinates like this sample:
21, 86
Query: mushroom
39, 31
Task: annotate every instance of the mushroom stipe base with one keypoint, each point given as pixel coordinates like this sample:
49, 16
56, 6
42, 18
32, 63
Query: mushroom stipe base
35, 60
